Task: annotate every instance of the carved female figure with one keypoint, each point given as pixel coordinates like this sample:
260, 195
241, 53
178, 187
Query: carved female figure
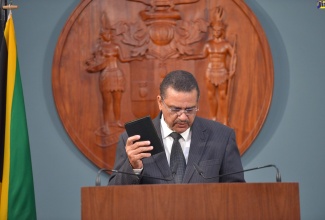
111, 81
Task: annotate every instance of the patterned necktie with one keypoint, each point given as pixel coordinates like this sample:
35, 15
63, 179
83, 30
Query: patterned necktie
177, 159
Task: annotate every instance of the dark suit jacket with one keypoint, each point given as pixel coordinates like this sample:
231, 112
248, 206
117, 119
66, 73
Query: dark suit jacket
213, 148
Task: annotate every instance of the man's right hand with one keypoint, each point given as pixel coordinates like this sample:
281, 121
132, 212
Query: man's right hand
137, 150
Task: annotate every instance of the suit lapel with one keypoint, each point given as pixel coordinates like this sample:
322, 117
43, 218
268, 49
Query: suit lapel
161, 159
197, 148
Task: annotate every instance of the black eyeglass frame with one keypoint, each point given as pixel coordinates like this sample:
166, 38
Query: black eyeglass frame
180, 111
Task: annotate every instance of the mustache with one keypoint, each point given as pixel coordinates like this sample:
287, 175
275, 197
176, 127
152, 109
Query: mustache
181, 121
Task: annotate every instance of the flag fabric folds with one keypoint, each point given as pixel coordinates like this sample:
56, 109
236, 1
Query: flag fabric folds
17, 200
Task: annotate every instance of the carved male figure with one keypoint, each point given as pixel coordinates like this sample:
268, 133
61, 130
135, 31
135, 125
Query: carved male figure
220, 70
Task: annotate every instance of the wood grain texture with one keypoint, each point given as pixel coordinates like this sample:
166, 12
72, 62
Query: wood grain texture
193, 201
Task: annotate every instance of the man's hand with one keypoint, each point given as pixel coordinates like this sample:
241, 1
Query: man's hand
136, 151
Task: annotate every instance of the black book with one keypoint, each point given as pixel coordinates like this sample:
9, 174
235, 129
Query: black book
145, 128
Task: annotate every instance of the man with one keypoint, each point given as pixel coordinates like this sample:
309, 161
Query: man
205, 145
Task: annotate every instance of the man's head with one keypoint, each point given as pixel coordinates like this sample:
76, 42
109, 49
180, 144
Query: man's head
178, 100
218, 29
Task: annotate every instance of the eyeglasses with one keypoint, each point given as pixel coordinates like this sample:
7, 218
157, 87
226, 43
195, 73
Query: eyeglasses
180, 111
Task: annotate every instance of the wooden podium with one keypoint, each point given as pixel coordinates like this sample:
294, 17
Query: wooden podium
274, 201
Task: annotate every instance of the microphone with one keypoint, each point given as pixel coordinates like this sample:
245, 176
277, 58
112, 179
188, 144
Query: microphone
98, 181
201, 173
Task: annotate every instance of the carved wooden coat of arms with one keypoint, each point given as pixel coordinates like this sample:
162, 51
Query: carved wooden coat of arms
112, 55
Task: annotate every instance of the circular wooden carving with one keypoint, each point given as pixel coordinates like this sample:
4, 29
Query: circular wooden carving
112, 55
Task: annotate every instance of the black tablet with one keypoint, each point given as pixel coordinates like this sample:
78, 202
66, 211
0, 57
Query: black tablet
145, 128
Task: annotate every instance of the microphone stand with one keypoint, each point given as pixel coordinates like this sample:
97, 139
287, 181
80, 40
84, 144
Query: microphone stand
278, 175
98, 182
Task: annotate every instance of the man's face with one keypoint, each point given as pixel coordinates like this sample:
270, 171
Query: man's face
217, 32
181, 101
106, 35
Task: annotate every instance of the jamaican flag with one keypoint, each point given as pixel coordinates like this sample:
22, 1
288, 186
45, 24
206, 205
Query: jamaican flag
17, 200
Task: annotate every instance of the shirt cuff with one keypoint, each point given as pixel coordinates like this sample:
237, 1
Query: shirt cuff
137, 171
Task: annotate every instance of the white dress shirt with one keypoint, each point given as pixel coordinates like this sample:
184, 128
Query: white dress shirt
185, 141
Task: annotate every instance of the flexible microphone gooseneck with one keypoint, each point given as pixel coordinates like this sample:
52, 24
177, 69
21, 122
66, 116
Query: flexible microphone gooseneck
98, 181
201, 173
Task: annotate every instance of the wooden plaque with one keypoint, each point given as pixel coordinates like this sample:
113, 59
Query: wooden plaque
112, 55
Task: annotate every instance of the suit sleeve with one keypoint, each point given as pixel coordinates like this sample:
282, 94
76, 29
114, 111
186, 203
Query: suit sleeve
232, 162
122, 164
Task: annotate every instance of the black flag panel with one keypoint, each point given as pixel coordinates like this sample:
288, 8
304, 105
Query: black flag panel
3, 81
